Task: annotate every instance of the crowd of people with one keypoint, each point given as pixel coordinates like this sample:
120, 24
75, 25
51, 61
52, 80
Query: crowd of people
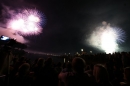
86, 70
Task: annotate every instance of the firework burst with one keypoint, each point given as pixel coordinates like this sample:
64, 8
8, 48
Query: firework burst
107, 38
26, 22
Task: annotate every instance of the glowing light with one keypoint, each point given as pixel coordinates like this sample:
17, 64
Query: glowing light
107, 38
27, 22
81, 49
108, 41
33, 18
64, 60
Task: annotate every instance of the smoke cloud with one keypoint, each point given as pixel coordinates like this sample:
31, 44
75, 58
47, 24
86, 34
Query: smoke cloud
10, 33
95, 37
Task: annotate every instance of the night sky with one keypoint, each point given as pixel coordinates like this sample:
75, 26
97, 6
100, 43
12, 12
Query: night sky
70, 22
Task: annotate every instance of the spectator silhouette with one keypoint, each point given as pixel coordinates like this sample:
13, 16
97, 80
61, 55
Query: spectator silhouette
39, 67
38, 72
22, 78
101, 75
76, 78
17, 65
118, 75
50, 74
34, 64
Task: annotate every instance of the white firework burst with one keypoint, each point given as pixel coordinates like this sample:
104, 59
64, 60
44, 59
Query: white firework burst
107, 38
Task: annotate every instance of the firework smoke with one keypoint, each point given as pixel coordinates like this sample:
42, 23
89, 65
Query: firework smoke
107, 38
10, 33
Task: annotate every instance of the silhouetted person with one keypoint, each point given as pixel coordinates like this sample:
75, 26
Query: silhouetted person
38, 72
101, 75
22, 78
76, 78
118, 75
34, 64
38, 69
50, 74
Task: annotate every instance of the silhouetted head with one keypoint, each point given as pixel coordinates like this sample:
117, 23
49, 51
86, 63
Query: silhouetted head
78, 64
40, 62
48, 62
100, 73
24, 69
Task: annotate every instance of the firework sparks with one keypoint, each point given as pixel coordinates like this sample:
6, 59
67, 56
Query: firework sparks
27, 22
107, 38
